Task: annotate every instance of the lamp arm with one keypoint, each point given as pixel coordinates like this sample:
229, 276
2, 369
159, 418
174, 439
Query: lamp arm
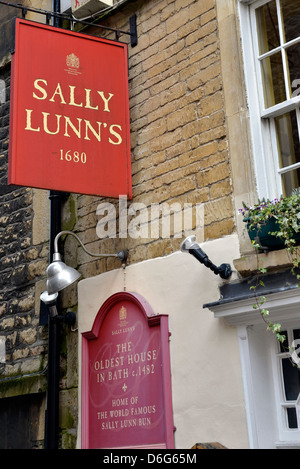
190, 245
121, 255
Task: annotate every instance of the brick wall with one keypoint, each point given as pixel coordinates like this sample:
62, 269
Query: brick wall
178, 129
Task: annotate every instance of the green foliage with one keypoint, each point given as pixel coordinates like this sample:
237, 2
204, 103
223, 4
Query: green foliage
286, 211
258, 305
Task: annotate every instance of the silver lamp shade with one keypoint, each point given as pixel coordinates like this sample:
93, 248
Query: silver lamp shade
189, 243
59, 275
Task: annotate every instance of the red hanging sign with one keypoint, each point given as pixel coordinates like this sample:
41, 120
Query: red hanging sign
69, 128
126, 378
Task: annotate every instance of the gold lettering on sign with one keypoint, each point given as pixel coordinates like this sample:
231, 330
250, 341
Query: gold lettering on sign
70, 95
28, 121
105, 100
45, 123
40, 88
58, 92
88, 104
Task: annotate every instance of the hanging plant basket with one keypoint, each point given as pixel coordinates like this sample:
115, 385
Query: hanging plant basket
274, 224
262, 234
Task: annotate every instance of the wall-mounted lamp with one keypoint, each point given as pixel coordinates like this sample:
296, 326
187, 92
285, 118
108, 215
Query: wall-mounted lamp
60, 276
189, 245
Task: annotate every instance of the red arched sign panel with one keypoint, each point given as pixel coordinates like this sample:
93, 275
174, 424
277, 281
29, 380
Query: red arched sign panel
126, 378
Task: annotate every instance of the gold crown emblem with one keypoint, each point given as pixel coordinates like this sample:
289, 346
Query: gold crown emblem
122, 313
72, 61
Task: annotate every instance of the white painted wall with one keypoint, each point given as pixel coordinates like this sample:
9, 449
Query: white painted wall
208, 399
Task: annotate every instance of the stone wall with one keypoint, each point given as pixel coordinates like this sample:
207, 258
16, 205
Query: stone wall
6, 16
21, 265
178, 127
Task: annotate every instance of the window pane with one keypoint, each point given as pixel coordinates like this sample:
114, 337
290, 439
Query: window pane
288, 138
291, 18
273, 80
291, 377
293, 56
288, 149
267, 26
292, 417
290, 181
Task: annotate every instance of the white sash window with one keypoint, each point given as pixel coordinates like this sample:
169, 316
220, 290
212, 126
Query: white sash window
271, 41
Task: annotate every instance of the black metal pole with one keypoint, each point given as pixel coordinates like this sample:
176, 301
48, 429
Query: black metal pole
52, 409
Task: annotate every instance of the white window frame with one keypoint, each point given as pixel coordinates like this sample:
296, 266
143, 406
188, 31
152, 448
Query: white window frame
268, 173
260, 367
286, 435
